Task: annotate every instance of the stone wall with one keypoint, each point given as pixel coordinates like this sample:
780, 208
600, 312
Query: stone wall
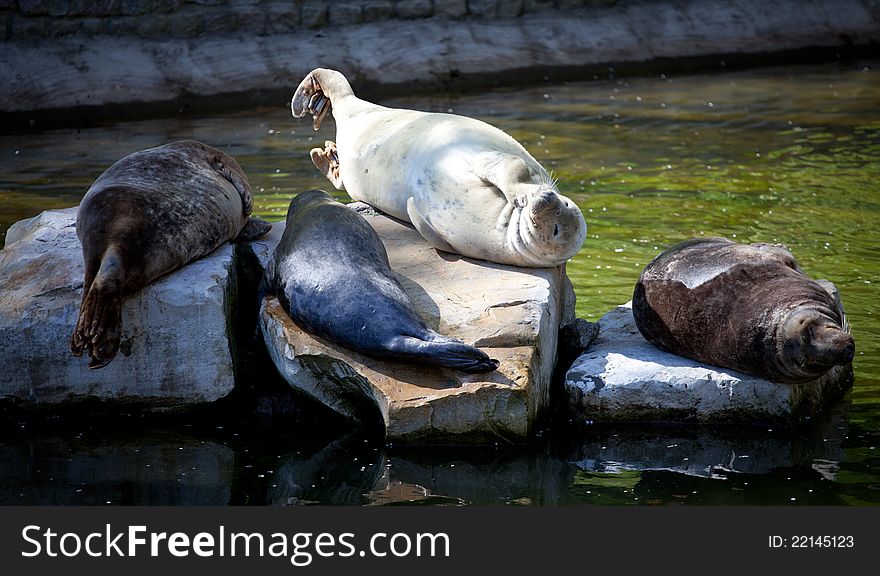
123, 59
27, 19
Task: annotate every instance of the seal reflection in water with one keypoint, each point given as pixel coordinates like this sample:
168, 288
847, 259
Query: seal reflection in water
331, 274
466, 186
745, 307
149, 214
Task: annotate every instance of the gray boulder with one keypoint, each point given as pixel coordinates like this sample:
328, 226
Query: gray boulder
175, 347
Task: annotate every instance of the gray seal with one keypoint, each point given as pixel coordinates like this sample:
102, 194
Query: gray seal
748, 307
147, 215
331, 274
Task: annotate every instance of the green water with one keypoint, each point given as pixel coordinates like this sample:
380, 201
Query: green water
789, 155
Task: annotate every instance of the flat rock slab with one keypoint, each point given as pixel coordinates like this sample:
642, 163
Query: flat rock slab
513, 314
174, 347
623, 377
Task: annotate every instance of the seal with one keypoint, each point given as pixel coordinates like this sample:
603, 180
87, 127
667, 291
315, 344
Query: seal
466, 186
148, 214
331, 274
748, 307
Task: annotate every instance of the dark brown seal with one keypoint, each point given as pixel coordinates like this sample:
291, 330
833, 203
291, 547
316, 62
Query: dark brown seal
748, 307
149, 214
331, 274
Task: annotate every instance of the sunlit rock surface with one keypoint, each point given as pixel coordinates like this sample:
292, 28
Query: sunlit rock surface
513, 314
623, 377
174, 346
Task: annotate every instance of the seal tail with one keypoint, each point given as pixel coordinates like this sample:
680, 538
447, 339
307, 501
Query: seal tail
100, 315
445, 352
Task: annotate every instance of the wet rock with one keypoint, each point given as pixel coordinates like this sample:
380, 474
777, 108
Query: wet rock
574, 338
622, 377
174, 346
513, 314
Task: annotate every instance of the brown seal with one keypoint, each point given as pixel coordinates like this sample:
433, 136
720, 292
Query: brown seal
148, 214
748, 307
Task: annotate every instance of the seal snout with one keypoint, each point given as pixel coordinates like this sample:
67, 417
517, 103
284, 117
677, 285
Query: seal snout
831, 346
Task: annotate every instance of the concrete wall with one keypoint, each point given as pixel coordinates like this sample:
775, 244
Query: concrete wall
69, 61
28, 19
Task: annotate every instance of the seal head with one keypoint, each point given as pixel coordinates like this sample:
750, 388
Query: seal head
546, 226
810, 342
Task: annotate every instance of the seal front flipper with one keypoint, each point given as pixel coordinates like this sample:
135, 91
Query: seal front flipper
506, 173
239, 182
327, 162
425, 229
253, 229
97, 328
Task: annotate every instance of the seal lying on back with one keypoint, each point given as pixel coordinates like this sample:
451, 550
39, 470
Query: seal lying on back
466, 186
145, 216
331, 275
745, 307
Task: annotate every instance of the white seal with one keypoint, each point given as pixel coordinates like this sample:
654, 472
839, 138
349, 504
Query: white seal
466, 186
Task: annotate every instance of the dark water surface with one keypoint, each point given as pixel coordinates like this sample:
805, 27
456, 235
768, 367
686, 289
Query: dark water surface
789, 154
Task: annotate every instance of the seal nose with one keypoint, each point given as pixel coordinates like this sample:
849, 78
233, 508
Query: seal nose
832, 346
849, 352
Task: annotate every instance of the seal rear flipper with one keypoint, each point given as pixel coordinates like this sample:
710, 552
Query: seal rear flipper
310, 97
425, 229
253, 229
445, 352
100, 316
459, 356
